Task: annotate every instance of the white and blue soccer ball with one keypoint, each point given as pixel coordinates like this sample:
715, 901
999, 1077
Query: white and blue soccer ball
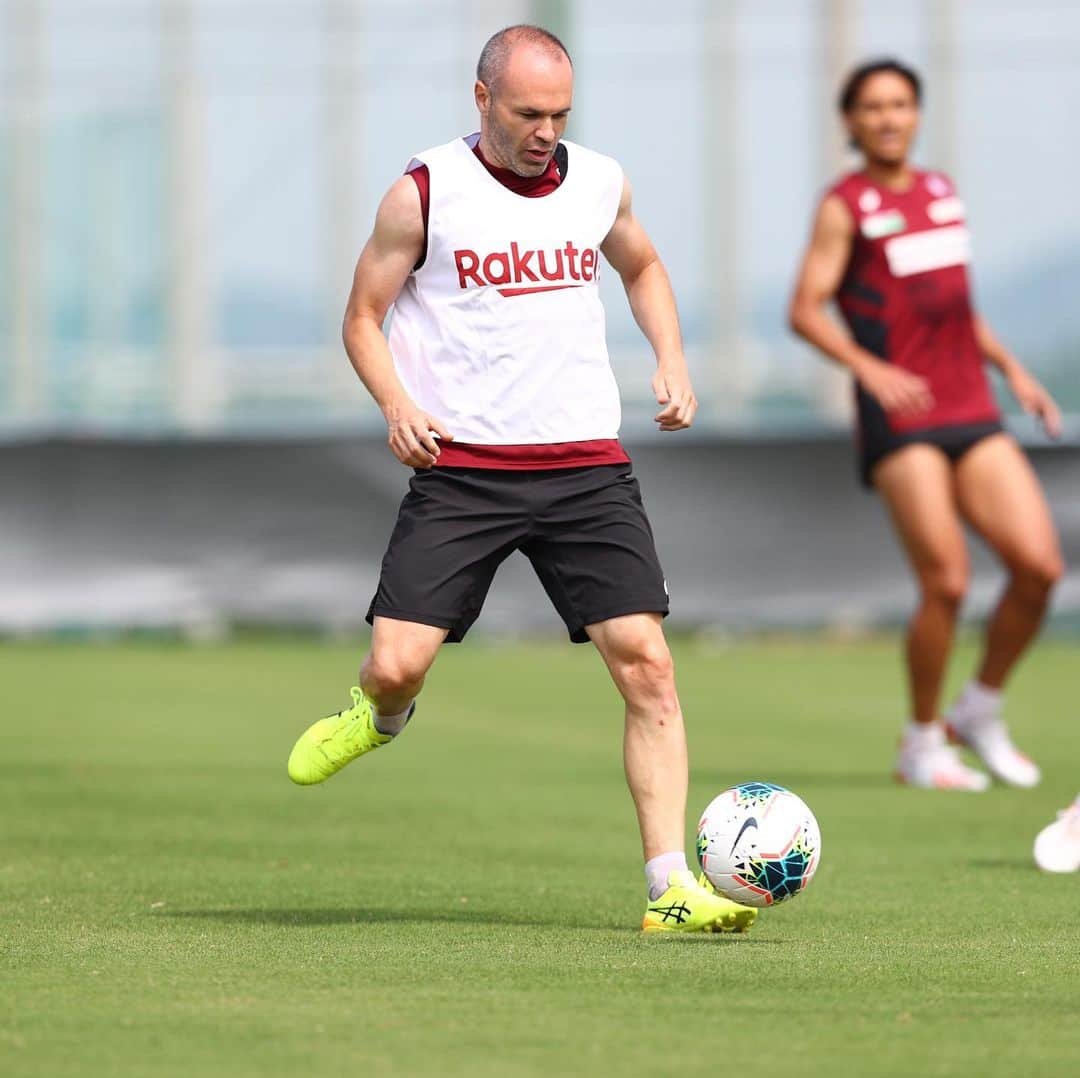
758, 844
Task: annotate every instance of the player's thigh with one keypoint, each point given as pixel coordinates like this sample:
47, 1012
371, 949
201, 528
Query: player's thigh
593, 549
916, 484
1001, 498
453, 531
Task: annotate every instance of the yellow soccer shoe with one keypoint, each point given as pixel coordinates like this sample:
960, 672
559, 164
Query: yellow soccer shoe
686, 906
328, 745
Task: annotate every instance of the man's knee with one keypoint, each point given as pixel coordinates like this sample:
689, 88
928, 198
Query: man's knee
946, 584
644, 669
387, 674
1037, 574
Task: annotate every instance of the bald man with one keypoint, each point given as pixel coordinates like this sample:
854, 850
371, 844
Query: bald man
498, 393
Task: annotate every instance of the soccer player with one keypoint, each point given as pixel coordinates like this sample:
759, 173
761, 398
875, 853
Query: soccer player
1057, 845
890, 245
497, 390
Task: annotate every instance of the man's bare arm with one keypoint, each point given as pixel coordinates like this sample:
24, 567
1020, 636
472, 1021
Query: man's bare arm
632, 255
819, 279
384, 265
1033, 398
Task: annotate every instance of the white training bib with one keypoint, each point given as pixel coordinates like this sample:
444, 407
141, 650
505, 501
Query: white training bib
500, 333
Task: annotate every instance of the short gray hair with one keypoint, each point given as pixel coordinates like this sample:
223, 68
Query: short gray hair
496, 52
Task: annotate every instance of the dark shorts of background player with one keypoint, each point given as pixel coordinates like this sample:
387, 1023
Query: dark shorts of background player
584, 530
953, 441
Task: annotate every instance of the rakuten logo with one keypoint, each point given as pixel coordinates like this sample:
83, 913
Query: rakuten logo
569, 267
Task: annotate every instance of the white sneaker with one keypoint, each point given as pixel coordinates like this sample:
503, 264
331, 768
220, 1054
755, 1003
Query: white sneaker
1057, 846
925, 760
975, 721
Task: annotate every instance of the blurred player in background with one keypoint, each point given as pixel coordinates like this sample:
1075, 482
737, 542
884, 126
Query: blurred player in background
890, 246
497, 390
1057, 846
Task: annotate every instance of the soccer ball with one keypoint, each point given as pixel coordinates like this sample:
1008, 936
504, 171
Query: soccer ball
758, 844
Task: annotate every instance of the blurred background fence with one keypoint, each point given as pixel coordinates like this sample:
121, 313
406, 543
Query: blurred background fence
185, 185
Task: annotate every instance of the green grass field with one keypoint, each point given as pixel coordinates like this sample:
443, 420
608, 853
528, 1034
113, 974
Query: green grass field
466, 902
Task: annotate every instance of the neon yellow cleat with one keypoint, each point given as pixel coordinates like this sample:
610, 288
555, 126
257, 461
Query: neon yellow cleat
687, 906
328, 745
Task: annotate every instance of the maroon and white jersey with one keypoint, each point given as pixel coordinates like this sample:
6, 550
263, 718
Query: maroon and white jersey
500, 331
905, 297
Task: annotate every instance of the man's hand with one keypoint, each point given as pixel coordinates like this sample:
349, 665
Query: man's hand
633, 257
673, 391
1034, 399
411, 435
896, 390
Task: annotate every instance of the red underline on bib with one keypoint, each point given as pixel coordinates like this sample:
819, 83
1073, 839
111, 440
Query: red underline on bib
588, 453
538, 288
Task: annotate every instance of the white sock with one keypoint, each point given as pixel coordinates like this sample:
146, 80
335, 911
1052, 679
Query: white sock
659, 868
392, 724
923, 736
979, 700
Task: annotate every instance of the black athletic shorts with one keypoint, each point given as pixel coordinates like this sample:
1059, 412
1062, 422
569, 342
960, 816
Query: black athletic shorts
584, 530
877, 443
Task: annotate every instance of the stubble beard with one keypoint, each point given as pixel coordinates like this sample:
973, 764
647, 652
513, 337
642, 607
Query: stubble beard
503, 145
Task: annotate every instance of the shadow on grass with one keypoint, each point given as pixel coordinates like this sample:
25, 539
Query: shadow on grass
360, 915
1011, 864
363, 915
